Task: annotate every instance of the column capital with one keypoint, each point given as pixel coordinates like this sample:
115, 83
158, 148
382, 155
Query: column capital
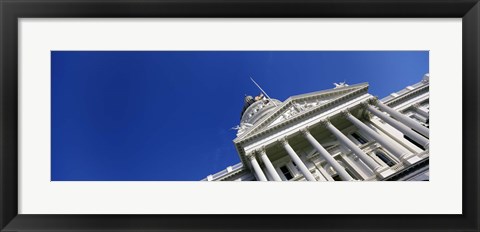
373, 101
368, 115
251, 156
405, 120
305, 131
326, 122
345, 113
365, 104
283, 141
366, 112
260, 150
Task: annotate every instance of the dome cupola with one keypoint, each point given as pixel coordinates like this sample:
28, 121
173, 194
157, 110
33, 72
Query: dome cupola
254, 109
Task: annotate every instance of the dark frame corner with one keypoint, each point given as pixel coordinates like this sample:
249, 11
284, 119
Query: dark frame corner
468, 10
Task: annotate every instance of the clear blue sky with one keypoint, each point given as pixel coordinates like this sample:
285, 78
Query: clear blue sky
152, 116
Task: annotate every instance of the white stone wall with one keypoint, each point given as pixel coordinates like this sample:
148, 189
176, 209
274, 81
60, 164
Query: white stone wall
359, 170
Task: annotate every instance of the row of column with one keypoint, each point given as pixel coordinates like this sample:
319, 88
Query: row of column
417, 108
403, 124
401, 127
404, 119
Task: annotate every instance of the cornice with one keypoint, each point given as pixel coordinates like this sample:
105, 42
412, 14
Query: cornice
232, 174
289, 102
239, 142
405, 96
257, 131
407, 170
283, 141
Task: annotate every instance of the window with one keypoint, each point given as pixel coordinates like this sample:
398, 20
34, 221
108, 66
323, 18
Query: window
414, 142
336, 177
359, 138
351, 174
384, 158
427, 123
295, 165
425, 103
286, 172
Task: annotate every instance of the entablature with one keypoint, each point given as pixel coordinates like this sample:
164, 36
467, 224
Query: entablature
270, 139
298, 107
396, 101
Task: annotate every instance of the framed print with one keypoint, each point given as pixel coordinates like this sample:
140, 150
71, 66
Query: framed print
277, 115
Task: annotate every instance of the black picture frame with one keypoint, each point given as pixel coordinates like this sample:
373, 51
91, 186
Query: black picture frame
11, 11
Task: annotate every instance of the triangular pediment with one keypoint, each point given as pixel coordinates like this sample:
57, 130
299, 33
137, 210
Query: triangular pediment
299, 105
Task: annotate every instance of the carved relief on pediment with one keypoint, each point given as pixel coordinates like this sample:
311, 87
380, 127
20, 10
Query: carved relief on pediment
302, 105
297, 108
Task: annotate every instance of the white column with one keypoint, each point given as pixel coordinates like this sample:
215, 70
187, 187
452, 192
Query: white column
271, 170
399, 126
392, 147
404, 119
419, 110
256, 167
324, 153
293, 155
353, 147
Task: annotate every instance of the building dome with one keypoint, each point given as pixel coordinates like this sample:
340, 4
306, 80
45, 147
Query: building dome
248, 100
256, 110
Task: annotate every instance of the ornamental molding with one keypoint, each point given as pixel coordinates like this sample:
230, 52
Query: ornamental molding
365, 105
232, 174
373, 101
305, 131
345, 113
325, 123
367, 115
283, 141
415, 106
261, 151
367, 110
251, 156
269, 139
300, 107
407, 96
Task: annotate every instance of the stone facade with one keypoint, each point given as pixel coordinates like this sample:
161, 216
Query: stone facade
339, 134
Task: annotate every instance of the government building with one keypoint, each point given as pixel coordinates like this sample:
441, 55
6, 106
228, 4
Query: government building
339, 134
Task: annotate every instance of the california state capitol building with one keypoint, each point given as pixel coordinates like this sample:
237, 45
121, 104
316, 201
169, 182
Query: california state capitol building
338, 134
